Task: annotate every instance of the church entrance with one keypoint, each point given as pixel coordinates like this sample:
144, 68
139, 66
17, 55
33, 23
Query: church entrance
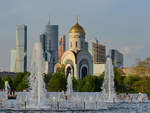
68, 70
83, 72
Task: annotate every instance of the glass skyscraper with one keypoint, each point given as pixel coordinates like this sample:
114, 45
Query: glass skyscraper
13, 60
116, 57
21, 48
49, 42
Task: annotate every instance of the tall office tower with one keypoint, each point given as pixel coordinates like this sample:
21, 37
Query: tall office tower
98, 52
13, 60
61, 47
21, 48
49, 42
117, 58
43, 45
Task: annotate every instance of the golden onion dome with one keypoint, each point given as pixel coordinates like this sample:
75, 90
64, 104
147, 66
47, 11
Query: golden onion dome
77, 29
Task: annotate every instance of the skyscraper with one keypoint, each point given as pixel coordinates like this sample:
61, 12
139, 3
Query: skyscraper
117, 58
61, 47
21, 48
43, 45
98, 52
49, 42
13, 60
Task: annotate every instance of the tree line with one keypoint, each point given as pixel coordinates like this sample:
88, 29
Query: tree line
58, 81
18, 83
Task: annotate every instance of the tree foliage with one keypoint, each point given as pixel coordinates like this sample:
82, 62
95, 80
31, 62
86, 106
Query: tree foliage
7, 78
119, 80
47, 78
18, 83
89, 84
57, 82
17, 79
143, 67
1, 83
61, 69
24, 82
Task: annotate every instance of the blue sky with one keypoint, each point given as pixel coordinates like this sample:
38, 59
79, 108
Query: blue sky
119, 24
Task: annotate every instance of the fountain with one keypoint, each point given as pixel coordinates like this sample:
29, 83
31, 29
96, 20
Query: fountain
38, 94
69, 85
108, 90
7, 87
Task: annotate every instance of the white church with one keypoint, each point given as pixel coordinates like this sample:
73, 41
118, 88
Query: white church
77, 60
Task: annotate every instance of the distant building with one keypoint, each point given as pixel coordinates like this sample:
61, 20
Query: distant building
117, 58
98, 52
43, 45
13, 60
21, 48
49, 42
61, 47
4, 73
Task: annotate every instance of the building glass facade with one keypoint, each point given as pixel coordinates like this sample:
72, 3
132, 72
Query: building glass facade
21, 48
117, 58
49, 42
13, 60
98, 52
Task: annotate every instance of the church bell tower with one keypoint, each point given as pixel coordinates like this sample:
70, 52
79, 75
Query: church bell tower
77, 37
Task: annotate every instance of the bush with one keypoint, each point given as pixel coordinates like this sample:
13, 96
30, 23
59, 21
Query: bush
24, 83
1, 83
90, 84
119, 80
47, 78
18, 78
58, 82
7, 78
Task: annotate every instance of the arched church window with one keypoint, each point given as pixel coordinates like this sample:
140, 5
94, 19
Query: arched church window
71, 44
76, 43
84, 72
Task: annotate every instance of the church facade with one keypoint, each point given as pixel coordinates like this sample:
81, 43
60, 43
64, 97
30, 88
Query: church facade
77, 60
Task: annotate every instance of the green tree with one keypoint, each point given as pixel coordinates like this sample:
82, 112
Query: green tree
89, 84
61, 69
142, 85
7, 78
129, 81
119, 80
80, 84
47, 78
57, 82
24, 83
74, 81
143, 67
101, 80
18, 78
1, 83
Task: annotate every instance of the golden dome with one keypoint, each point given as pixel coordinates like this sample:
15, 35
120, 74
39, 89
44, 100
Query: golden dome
77, 29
